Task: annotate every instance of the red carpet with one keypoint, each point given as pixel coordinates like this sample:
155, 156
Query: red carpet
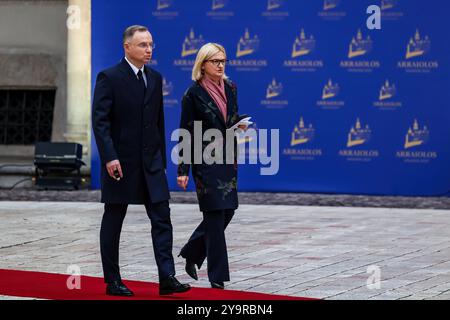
53, 286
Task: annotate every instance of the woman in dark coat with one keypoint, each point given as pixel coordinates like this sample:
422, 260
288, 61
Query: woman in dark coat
211, 101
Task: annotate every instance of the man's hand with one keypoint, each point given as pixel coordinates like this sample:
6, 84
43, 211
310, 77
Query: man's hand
114, 166
182, 182
243, 127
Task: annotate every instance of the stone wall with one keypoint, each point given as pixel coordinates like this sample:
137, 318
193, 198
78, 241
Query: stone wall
33, 51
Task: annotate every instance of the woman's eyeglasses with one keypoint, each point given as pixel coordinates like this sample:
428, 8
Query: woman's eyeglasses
217, 62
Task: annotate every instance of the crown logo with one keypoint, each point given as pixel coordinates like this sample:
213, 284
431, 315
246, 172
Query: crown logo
301, 134
416, 136
163, 4
359, 46
387, 91
247, 45
274, 89
191, 44
388, 4
167, 87
218, 4
417, 46
358, 135
330, 90
330, 4
303, 46
274, 4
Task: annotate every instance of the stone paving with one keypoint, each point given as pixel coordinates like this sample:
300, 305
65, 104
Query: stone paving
297, 199
309, 251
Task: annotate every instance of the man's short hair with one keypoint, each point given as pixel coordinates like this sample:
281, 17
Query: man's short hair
131, 30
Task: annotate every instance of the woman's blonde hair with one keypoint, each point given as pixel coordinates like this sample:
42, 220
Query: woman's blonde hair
206, 52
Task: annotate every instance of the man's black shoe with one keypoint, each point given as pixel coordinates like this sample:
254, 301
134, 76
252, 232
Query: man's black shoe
171, 285
117, 288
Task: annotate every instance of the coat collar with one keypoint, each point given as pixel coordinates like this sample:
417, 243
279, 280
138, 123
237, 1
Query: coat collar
151, 79
230, 102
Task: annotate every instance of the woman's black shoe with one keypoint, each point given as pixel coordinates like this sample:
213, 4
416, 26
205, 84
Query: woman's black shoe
190, 269
217, 285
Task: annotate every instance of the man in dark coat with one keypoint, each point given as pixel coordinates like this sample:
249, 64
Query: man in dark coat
128, 124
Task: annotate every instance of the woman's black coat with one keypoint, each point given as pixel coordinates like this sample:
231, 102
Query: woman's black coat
216, 184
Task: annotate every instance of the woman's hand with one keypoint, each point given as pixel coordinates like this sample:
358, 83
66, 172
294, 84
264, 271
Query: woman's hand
182, 182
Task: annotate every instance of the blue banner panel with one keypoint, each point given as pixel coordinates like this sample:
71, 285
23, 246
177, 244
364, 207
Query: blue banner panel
358, 111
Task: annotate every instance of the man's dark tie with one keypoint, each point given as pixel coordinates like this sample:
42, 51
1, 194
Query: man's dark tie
141, 80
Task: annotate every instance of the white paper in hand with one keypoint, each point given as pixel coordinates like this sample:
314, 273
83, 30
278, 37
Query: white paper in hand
245, 121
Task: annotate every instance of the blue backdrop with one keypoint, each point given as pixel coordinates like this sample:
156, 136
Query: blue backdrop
359, 111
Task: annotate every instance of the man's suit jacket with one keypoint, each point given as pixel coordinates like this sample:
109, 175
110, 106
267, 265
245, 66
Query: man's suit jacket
128, 124
216, 184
